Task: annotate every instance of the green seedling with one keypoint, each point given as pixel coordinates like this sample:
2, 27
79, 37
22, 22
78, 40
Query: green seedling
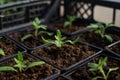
21, 64
60, 40
99, 67
100, 29
2, 52
39, 29
70, 21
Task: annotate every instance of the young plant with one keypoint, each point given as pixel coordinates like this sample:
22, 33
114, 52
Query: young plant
99, 67
2, 52
70, 21
100, 29
21, 64
60, 40
37, 25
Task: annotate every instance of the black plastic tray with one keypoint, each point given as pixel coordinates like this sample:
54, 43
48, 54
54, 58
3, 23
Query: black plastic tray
112, 52
48, 78
30, 28
112, 30
72, 71
97, 52
22, 49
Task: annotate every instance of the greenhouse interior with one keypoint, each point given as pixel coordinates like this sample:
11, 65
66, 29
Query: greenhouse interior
59, 39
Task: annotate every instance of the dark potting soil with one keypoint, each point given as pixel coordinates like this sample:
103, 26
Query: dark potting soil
83, 72
9, 47
65, 56
69, 30
96, 39
116, 48
31, 41
60, 78
35, 73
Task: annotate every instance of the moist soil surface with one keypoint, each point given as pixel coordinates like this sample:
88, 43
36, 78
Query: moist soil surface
60, 78
96, 39
9, 47
77, 25
83, 72
116, 48
31, 42
65, 56
35, 73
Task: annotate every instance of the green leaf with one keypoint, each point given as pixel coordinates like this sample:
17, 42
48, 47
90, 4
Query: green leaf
47, 41
59, 35
44, 27
109, 25
37, 21
102, 62
36, 64
2, 52
109, 38
26, 37
112, 69
93, 66
7, 68
58, 43
48, 33
66, 24
20, 56
95, 78
94, 26
73, 42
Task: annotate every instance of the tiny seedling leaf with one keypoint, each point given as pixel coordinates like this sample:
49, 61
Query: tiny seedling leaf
26, 37
93, 66
44, 27
35, 64
73, 42
7, 68
2, 52
109, 38
94, 26
67, 23
37, 21
46, 41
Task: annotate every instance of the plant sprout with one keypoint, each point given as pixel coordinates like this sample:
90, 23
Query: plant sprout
100, 29
99, 67
21, 64
59, 42
71, 19
2, 52
37, 25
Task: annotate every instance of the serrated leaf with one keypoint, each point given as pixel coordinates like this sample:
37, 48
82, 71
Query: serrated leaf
66, 24
7, 68
109, 38
26, 37
35, 64
2, 52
